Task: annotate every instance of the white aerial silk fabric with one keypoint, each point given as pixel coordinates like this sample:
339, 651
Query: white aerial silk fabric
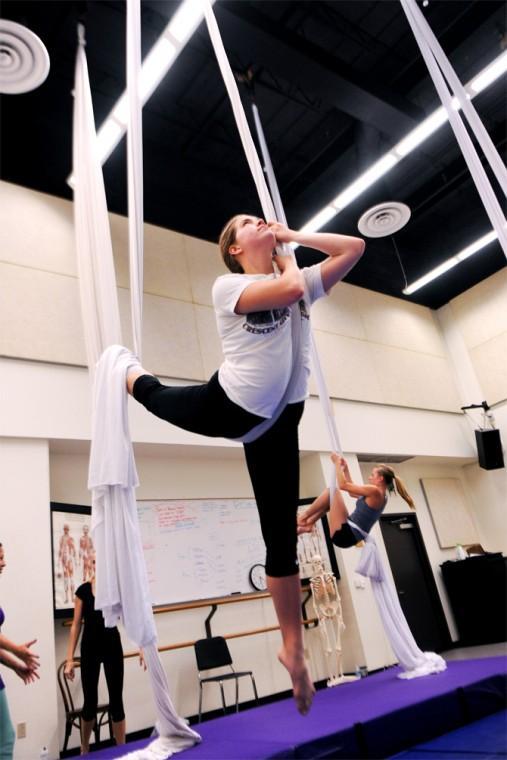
239, 115
121, 585
94, 250
439, 67
122, 591
135, 172
467, 107
414, 661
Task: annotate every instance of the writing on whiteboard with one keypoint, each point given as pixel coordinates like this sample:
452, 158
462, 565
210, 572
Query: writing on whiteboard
199, 548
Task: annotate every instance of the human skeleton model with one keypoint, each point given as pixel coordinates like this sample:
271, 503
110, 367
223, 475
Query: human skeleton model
328, 608
86, 553
67, 557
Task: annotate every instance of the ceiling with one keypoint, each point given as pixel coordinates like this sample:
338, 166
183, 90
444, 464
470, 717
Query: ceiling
336, 83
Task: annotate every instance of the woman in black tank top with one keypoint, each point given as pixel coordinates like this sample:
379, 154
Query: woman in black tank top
99, 646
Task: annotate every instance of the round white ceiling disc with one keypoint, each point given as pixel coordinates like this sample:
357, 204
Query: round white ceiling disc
383, 219
24, 60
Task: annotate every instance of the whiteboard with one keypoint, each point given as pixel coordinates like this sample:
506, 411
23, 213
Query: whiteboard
199, 548
204, 548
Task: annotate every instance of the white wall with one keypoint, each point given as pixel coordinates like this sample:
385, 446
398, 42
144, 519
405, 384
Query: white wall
480, 316
374, 348
394, 372
474, 326
26, 588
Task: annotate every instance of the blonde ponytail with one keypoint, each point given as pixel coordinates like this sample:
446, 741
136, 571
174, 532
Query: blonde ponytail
393, 482
402, 491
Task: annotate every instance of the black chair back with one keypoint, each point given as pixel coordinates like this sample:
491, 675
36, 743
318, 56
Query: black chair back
212, 653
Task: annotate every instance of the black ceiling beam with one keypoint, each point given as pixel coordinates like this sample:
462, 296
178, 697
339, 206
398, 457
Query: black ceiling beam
339, 134
247, 32
339, 165
306, 182
261, 85
329, 13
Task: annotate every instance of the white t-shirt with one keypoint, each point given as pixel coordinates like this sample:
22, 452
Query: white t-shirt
258, 346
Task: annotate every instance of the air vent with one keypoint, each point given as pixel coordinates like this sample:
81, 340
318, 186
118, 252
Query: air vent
24, 60
384, 219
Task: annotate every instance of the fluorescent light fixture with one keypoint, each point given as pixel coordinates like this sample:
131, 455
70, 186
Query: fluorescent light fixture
432, 275
120, 111
488, 75
370, 176
156, 64
482, 242
107, 139
421, 133
474, 247
319, 220
186, 19
411, 141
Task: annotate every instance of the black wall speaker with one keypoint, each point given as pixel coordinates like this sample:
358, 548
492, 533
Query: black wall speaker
489, 449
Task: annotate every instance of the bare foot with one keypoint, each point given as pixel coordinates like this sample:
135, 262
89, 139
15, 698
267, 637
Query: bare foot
132, 374
302, 685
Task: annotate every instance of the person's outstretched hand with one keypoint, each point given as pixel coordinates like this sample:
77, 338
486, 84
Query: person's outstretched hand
27, 674
24, 653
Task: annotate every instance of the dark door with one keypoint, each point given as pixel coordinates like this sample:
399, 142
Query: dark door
414, 581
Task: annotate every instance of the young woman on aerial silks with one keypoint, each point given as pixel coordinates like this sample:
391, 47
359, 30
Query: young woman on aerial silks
254, 324
369, 506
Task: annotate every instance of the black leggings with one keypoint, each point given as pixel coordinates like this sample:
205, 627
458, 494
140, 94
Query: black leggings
107, 650
272, 460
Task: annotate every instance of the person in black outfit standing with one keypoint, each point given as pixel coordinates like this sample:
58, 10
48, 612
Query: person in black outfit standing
98, 645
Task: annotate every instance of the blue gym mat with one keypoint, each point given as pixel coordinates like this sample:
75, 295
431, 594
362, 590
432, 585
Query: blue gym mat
485, 739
